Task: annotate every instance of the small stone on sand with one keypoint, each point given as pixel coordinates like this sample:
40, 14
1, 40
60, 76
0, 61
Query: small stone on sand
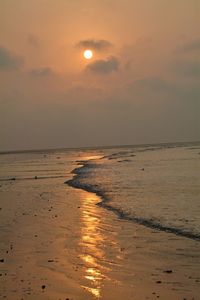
168, 271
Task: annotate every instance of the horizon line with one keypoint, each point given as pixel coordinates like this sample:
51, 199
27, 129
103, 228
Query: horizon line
93, 147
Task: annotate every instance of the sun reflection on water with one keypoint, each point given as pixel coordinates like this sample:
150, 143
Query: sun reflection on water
92, 244
90, 157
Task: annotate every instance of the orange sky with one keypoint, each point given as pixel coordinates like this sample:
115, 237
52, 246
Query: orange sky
145, 72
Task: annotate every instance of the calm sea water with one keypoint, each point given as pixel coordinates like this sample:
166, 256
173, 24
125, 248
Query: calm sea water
157, 186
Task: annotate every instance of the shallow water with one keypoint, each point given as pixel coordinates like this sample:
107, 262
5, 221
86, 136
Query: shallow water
157, 186
94, 254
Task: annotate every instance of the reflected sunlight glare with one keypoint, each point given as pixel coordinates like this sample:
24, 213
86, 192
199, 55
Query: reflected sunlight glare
91, 240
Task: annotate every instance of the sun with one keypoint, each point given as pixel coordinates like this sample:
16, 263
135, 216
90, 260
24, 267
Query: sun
88, 54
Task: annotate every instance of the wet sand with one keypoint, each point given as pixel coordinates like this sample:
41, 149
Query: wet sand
56, 243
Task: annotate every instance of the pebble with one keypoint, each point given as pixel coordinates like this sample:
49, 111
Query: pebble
168, 271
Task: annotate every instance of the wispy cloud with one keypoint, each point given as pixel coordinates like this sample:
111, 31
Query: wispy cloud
187, 67
33, 40
9, 61
191, 46
41, 72
107, 66
94, 44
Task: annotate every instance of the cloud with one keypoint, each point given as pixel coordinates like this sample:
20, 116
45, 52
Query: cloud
98, 45
9, 61
191, 46
33, 40
101, 66
187, 68
146, 104
157, 84
41, 72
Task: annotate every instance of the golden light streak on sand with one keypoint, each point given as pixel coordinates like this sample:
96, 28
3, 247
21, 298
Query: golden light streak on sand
91, 239
91, 157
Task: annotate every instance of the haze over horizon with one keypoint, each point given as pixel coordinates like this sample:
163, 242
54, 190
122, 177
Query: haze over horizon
141, 86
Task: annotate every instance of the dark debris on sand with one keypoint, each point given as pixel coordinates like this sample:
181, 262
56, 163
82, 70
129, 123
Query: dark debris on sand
168, 271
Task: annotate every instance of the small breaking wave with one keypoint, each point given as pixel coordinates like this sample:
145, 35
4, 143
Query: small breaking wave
81, 172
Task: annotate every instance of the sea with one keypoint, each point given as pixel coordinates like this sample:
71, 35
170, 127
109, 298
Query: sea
157, 186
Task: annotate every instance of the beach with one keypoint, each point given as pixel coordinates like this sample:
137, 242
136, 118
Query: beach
59, 241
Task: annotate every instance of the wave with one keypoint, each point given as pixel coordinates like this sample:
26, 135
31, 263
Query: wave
151, 147
81, 172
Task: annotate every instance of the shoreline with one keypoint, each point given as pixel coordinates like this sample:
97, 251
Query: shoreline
75, 182
59, 242
88, 148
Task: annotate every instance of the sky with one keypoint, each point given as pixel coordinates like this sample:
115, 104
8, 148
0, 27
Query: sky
141, 86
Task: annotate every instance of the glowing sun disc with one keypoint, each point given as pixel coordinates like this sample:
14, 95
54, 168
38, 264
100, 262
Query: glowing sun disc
88, 54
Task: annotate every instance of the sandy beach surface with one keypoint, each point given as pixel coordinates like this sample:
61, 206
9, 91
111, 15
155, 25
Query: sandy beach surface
56, 243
